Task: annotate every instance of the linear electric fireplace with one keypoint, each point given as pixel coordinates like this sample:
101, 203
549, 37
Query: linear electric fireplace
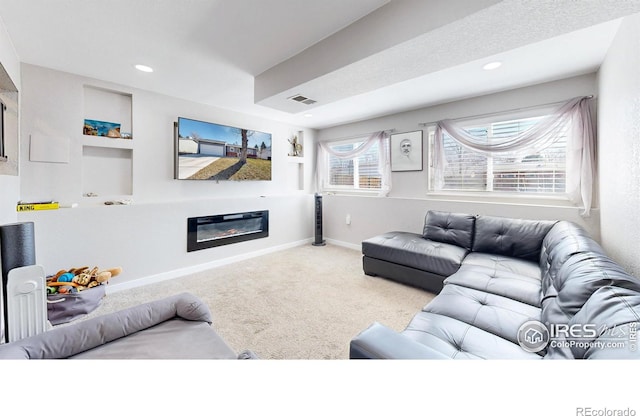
219, 230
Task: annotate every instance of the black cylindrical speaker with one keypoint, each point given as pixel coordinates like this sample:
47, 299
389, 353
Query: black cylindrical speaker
17, 246
17, 249
318, 241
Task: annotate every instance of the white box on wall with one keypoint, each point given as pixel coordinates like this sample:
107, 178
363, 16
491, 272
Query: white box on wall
49, 149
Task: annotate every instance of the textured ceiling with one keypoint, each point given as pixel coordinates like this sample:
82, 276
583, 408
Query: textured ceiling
574, 42
356, 58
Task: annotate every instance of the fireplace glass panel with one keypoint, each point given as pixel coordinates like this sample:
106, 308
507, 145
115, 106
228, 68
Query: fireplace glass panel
226, 229
217, 230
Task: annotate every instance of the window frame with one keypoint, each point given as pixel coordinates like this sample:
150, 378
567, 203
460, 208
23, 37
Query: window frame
3, 154
348, 189
541, 198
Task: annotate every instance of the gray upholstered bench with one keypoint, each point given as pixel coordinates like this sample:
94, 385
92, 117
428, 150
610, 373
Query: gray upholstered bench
176, 327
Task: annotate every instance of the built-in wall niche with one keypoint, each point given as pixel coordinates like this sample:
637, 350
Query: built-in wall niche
296, 161
295, 176
107, 162
296, 145
108, 106
107, 171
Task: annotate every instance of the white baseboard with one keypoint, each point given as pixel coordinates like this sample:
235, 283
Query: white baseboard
356, 247
173, 274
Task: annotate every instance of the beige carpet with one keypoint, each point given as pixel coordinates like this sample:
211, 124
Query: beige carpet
302, 303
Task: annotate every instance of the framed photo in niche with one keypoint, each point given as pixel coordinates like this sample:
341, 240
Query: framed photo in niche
406, 151
101, 128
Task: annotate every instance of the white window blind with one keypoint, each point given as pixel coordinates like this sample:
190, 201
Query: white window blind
361, 172
540, 172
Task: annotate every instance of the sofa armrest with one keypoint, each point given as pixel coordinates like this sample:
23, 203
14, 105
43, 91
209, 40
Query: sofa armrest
381, 342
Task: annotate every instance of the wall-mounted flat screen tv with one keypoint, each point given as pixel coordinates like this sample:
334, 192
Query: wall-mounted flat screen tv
209, 151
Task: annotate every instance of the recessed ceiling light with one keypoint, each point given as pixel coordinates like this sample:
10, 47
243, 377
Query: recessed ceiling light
492, 65
144, 68
308, 115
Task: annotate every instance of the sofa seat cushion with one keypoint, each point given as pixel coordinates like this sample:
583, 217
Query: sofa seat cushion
492, 313
410, 249
460, 340
504, 263
501, 275
500, 282
173, 339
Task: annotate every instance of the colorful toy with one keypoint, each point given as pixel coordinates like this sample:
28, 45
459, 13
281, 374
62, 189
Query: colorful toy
65, 277
80, 278
67, 289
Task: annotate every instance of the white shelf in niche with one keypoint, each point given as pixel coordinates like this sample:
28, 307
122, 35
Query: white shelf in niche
108, 142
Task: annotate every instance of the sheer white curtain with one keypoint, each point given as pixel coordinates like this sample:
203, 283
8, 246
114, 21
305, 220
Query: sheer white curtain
575, 115
380, 139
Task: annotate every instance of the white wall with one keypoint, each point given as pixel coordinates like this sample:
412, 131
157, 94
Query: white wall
10, 194
148, 237
408, 202
8, 55
9, 181
619, 146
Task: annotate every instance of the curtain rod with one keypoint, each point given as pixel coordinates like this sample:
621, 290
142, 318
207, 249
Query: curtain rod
357, 136
495, 113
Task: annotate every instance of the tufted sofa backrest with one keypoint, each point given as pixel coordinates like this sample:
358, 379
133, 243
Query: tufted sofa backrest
570, 303
614, 311
562, 241
449, 227
510, 237
574, 269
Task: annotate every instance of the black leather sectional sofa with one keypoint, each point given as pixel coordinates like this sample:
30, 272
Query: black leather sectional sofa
508, 289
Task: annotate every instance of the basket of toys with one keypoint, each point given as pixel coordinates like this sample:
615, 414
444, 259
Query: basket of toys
76, 292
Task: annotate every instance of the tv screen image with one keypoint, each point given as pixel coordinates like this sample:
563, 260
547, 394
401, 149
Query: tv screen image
210, 151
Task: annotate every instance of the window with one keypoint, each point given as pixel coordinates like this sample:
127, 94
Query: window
360, 172
355, 165
542, 172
